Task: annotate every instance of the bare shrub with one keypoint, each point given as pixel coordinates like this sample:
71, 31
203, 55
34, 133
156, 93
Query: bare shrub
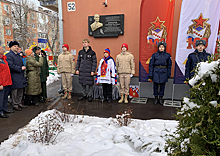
123, 118
48, 129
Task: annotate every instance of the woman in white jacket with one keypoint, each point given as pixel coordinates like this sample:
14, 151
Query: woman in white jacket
106, 75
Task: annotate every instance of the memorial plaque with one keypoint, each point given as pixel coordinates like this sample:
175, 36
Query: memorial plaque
106, 25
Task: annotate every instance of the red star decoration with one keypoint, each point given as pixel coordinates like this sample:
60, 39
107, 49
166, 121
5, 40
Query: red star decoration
157, 23
200, 21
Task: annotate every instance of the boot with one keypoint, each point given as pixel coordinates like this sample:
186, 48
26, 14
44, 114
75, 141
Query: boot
69, 96
81, 98
160, 100
65, 95
122, 99
104, 100
90, 99
156, 100
110, 100
126, 98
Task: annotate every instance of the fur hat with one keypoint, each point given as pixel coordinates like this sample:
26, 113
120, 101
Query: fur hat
36, 48
66, 45
198, 42
162, 43
124, 45
28, 52
107, 50
12, 43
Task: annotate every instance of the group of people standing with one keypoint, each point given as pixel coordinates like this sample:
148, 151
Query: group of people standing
22, 77
106, 73
108, 70
13, 80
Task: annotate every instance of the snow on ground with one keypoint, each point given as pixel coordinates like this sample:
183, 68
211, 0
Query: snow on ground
53, 76
94, 136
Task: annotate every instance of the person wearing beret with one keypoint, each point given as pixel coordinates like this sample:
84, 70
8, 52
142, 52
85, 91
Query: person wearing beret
33, 90
160, 71
66, 67
17, 69
125, 67
199, 55
5, 82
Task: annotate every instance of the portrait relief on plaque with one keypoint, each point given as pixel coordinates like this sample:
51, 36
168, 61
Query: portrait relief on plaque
96, 24
106, 25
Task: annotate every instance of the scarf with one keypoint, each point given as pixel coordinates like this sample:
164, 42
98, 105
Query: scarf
104, 66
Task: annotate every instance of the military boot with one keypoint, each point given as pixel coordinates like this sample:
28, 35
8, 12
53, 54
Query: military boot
122, 99
69, 96
160, 100
126, 99
65, 95
156, 100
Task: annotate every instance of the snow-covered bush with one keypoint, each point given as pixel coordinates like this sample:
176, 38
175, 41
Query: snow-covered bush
198, 132
49, 126
123, 118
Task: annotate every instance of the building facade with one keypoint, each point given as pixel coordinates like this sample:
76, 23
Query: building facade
35, 27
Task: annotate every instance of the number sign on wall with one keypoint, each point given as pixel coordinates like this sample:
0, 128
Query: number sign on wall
71, 6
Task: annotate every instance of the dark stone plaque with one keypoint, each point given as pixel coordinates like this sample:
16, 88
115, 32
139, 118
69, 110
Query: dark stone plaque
106, 25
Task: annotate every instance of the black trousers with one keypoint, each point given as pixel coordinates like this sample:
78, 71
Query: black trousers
156, 89
44, 90
31, 99
107, 90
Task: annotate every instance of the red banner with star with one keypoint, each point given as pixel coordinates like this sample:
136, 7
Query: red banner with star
156, 24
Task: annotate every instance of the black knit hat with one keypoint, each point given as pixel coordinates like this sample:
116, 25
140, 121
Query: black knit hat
198, 42
162, 43
35, 49
12, 43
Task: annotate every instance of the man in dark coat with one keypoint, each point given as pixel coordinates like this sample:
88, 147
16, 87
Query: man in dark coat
43, 74
17, 74
199, 55
160, 71
85, 68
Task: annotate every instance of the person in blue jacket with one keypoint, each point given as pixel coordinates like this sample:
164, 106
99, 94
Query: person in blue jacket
199, 55
160, 71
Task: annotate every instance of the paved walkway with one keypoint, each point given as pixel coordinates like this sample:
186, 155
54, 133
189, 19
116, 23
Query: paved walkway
95, 108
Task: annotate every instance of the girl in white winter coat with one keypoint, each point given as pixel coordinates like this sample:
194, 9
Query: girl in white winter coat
106, 75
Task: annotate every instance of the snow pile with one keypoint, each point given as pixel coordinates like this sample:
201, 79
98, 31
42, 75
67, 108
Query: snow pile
188, 105
93, 136
53, 76
205, 69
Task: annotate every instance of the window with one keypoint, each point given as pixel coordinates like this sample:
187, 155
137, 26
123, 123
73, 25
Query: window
43, 35
33, 26
8, 42
8, 32
7, 20
6, 8
32, 16
39, 35
34, 35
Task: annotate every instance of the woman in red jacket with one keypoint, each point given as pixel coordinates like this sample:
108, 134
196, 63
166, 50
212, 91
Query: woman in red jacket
5, 82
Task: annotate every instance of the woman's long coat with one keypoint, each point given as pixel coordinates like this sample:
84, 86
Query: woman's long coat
33, 75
